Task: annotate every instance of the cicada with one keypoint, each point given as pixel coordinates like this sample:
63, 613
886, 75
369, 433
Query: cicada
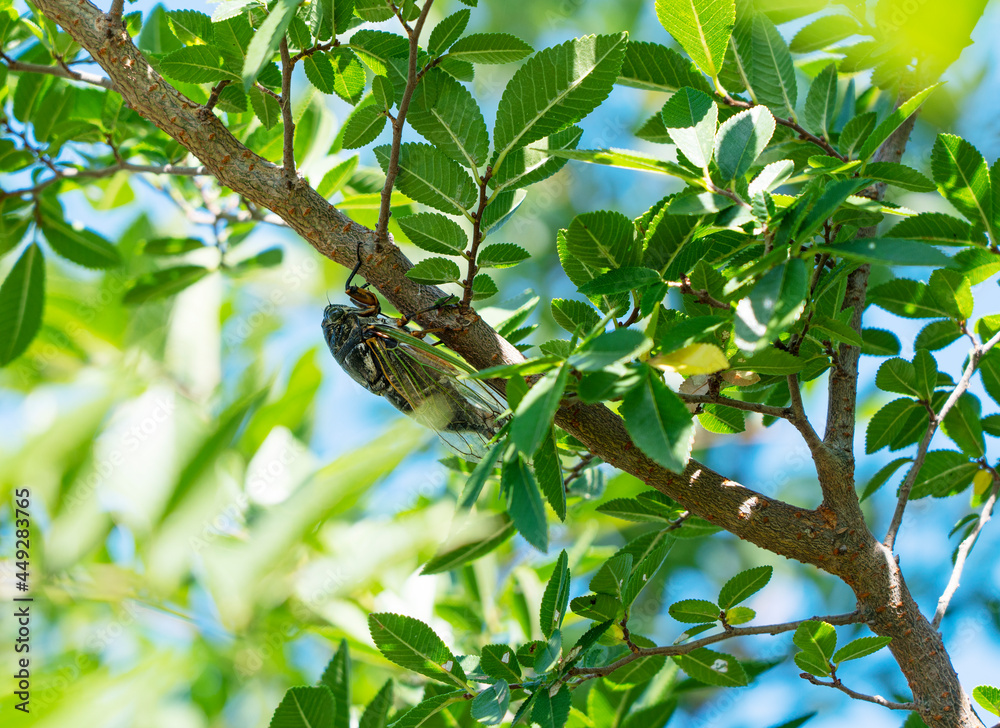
391, 361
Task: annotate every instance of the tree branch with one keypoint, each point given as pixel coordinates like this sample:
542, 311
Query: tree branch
73, 173
767, 410
288, 147
687, 647
877, 699
61, 71
392, 168
975, 355
802, 132
963, 553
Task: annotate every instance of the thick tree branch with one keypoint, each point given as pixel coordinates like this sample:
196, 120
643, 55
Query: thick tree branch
963, 553
687, 647
975, 356
412, 78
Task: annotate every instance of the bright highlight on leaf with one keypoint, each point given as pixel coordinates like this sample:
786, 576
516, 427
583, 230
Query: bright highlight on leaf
693, 359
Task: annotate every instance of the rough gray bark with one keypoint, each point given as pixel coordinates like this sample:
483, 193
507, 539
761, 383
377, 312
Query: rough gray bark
833, 537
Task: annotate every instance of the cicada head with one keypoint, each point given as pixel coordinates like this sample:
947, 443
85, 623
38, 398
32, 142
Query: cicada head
339, 323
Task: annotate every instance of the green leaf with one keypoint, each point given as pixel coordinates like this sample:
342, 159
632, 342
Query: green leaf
936, 228
817, 638
945, 472
374, 11
886, 424
659, 423
491, 704
610, 348
527, 165
812, 663
741, 139
988, 697
534, 414
953, 291
745, 584
574, 316
598, 607
821, 101
899, 175
383, 92
558, 86
824, 32
907, 298
701, 27
619, 280
612, 577
855, 132
171, 246
977, 265
377, 712
337, 677
602, 239
490, 48
769, 361
196, 64
989, 370
82, 246
628, 160
434, 233
713, 668
469, 547
556, 597
963, 179
363, 126
690, 117
878, 342
500, 662
551, 711
426, 175
774, 304
654, 67
265, 41
861, 647
482, 472
887, 251
265, 107
501, 255
884, 130
413, 645
938, 334
549, 473
22, 299
499, 211
448, 31
193, 22
376, 48
304, 707
962, 425
348, 75
772, 82
898, 375
163, 283
420, 715
837, 330
431, 271
695, 611
337, 177
444, 112
883, 475
526, 507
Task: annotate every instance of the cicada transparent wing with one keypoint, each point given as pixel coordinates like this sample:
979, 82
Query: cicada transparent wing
466, 414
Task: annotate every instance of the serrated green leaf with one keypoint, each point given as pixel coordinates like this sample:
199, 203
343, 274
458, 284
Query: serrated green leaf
908, 298
444, 112
883, 475
878, 342
861, 647
936, 228
22, 299
265, 107
491, 704
501, 255
963, 179
855, 132
163, 283
659, 423
431, 271
556, 87
434, 233
619, 280
375, 48
899, 175
574, 316
534, 414
483, 287
741, 139
745, 584
337, 678
824, 32
264, 43
374, 11
555, 599
938, 334
690, 118
413, 645
769, 361
884, 130
598, 607
962, 425
421, 714
713, 668
988, 697
377, 711
363, 126
602, 239
812, 663
526, 507
887, 423
527, 165
428, 176
490, 48
898, 375
337, 177
772, 81
304, 707
977, 265
774, 304
944, 473
701, 27
469, 547
628, 160
82, 246
612, 577
196, 64
610, 348
817, 638
821, 101
695, 611
655, 67
500, 662
448, 31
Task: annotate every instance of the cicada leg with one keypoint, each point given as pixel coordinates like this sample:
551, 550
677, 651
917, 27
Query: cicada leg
362, 298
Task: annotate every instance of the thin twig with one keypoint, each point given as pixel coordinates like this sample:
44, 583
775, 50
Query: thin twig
963, 553
288, 151
802, 132
314, 49
767, 410
477, 239
578, 469
392, 168
975, 355
61, 71
877, 699
213, 98
701, 294
799, 418
73, 173
685, 648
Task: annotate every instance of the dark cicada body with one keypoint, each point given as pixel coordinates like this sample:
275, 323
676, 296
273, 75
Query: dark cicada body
389, 362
